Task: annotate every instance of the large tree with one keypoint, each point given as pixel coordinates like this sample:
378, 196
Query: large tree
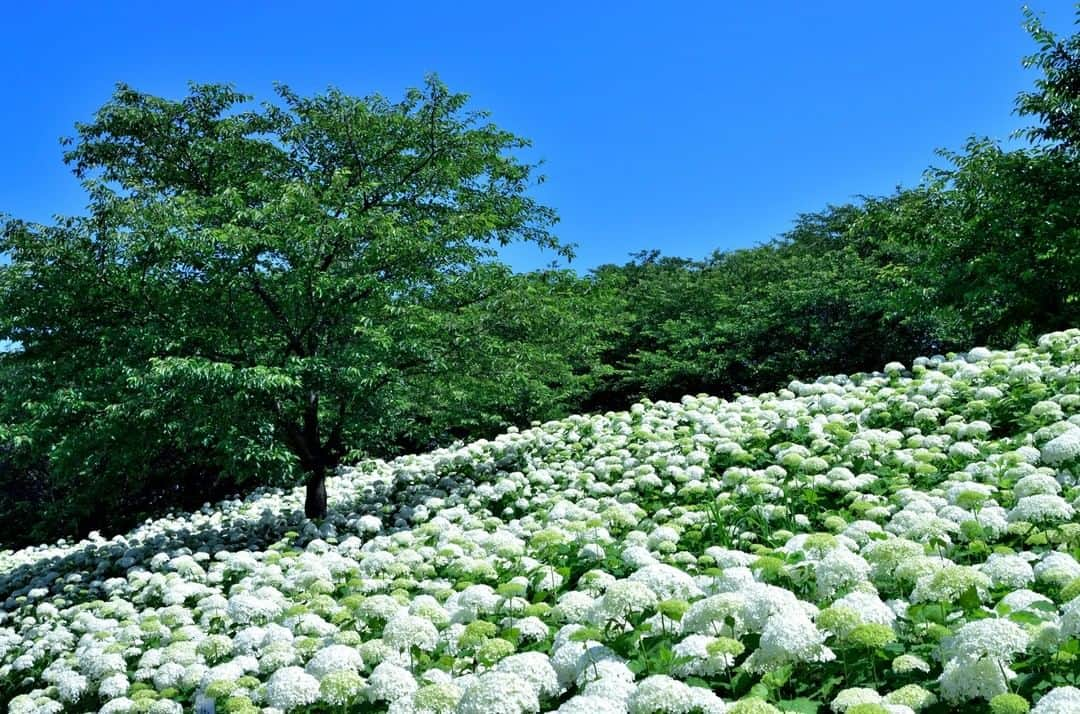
257, 287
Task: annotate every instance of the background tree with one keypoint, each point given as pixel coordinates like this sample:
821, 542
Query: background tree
1055, 101
255, 288
1003, 249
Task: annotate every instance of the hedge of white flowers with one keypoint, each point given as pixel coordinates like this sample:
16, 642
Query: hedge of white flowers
903, 541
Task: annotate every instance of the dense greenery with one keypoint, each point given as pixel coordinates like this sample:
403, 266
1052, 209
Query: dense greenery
267, 291
986, 252
263, 293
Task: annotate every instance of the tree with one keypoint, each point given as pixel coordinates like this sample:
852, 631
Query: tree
534, 341
1056, 98
255, 287
1004, 254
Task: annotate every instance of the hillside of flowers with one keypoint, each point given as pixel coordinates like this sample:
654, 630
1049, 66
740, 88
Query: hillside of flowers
903, 541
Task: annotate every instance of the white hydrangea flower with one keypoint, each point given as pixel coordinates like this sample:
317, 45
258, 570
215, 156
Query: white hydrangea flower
573, 606
1042, 508
165, 706
404, 631
97, 664
907, 663
119, 705
789, 636
996, 638
1023, 599
608, 669
1008, 570
71, 686
762, 601
535, 668
720, 614
1036, 483
1057, 568
290, 688
278, 655
341, 687
1070, 618
660, 694
621, 599
964, 679
531, 629
667, 582
1060, 449
390, 682
637, 556
369, 524
615, 689
227, 671
168, 675
839, 568
113, 686
262, 605
696, 647
1059, 700
949, 583
847, 698
334, 658
587, 704
435, 698
869, 608
499, 693
572, 658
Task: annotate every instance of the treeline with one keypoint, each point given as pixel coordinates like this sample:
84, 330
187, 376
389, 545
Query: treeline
988, 252
112, 411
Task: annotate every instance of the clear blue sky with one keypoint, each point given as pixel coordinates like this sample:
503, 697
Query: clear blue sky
681, 126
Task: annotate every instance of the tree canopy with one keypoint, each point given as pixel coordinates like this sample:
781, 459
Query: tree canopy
260, 286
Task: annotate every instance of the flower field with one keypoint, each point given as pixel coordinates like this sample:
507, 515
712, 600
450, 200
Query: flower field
903, 541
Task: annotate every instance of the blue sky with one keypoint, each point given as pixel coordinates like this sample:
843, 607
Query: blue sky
687, 127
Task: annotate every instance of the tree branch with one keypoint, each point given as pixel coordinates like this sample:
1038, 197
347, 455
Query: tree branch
295, 345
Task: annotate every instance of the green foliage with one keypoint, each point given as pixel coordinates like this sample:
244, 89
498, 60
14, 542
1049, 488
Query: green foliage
258, 292
984, 253
1056, 99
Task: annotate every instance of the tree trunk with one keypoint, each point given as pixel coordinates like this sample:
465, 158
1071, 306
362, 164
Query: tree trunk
314, 460
315, 503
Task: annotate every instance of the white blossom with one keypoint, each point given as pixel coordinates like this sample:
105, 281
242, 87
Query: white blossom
290, 688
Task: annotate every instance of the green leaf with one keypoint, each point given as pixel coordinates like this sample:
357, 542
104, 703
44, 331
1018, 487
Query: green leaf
802, 705
969, 599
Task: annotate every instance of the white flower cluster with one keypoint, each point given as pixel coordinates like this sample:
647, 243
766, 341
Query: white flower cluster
858, 518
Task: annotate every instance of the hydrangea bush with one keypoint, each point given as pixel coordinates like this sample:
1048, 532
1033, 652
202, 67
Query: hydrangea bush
902, 541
